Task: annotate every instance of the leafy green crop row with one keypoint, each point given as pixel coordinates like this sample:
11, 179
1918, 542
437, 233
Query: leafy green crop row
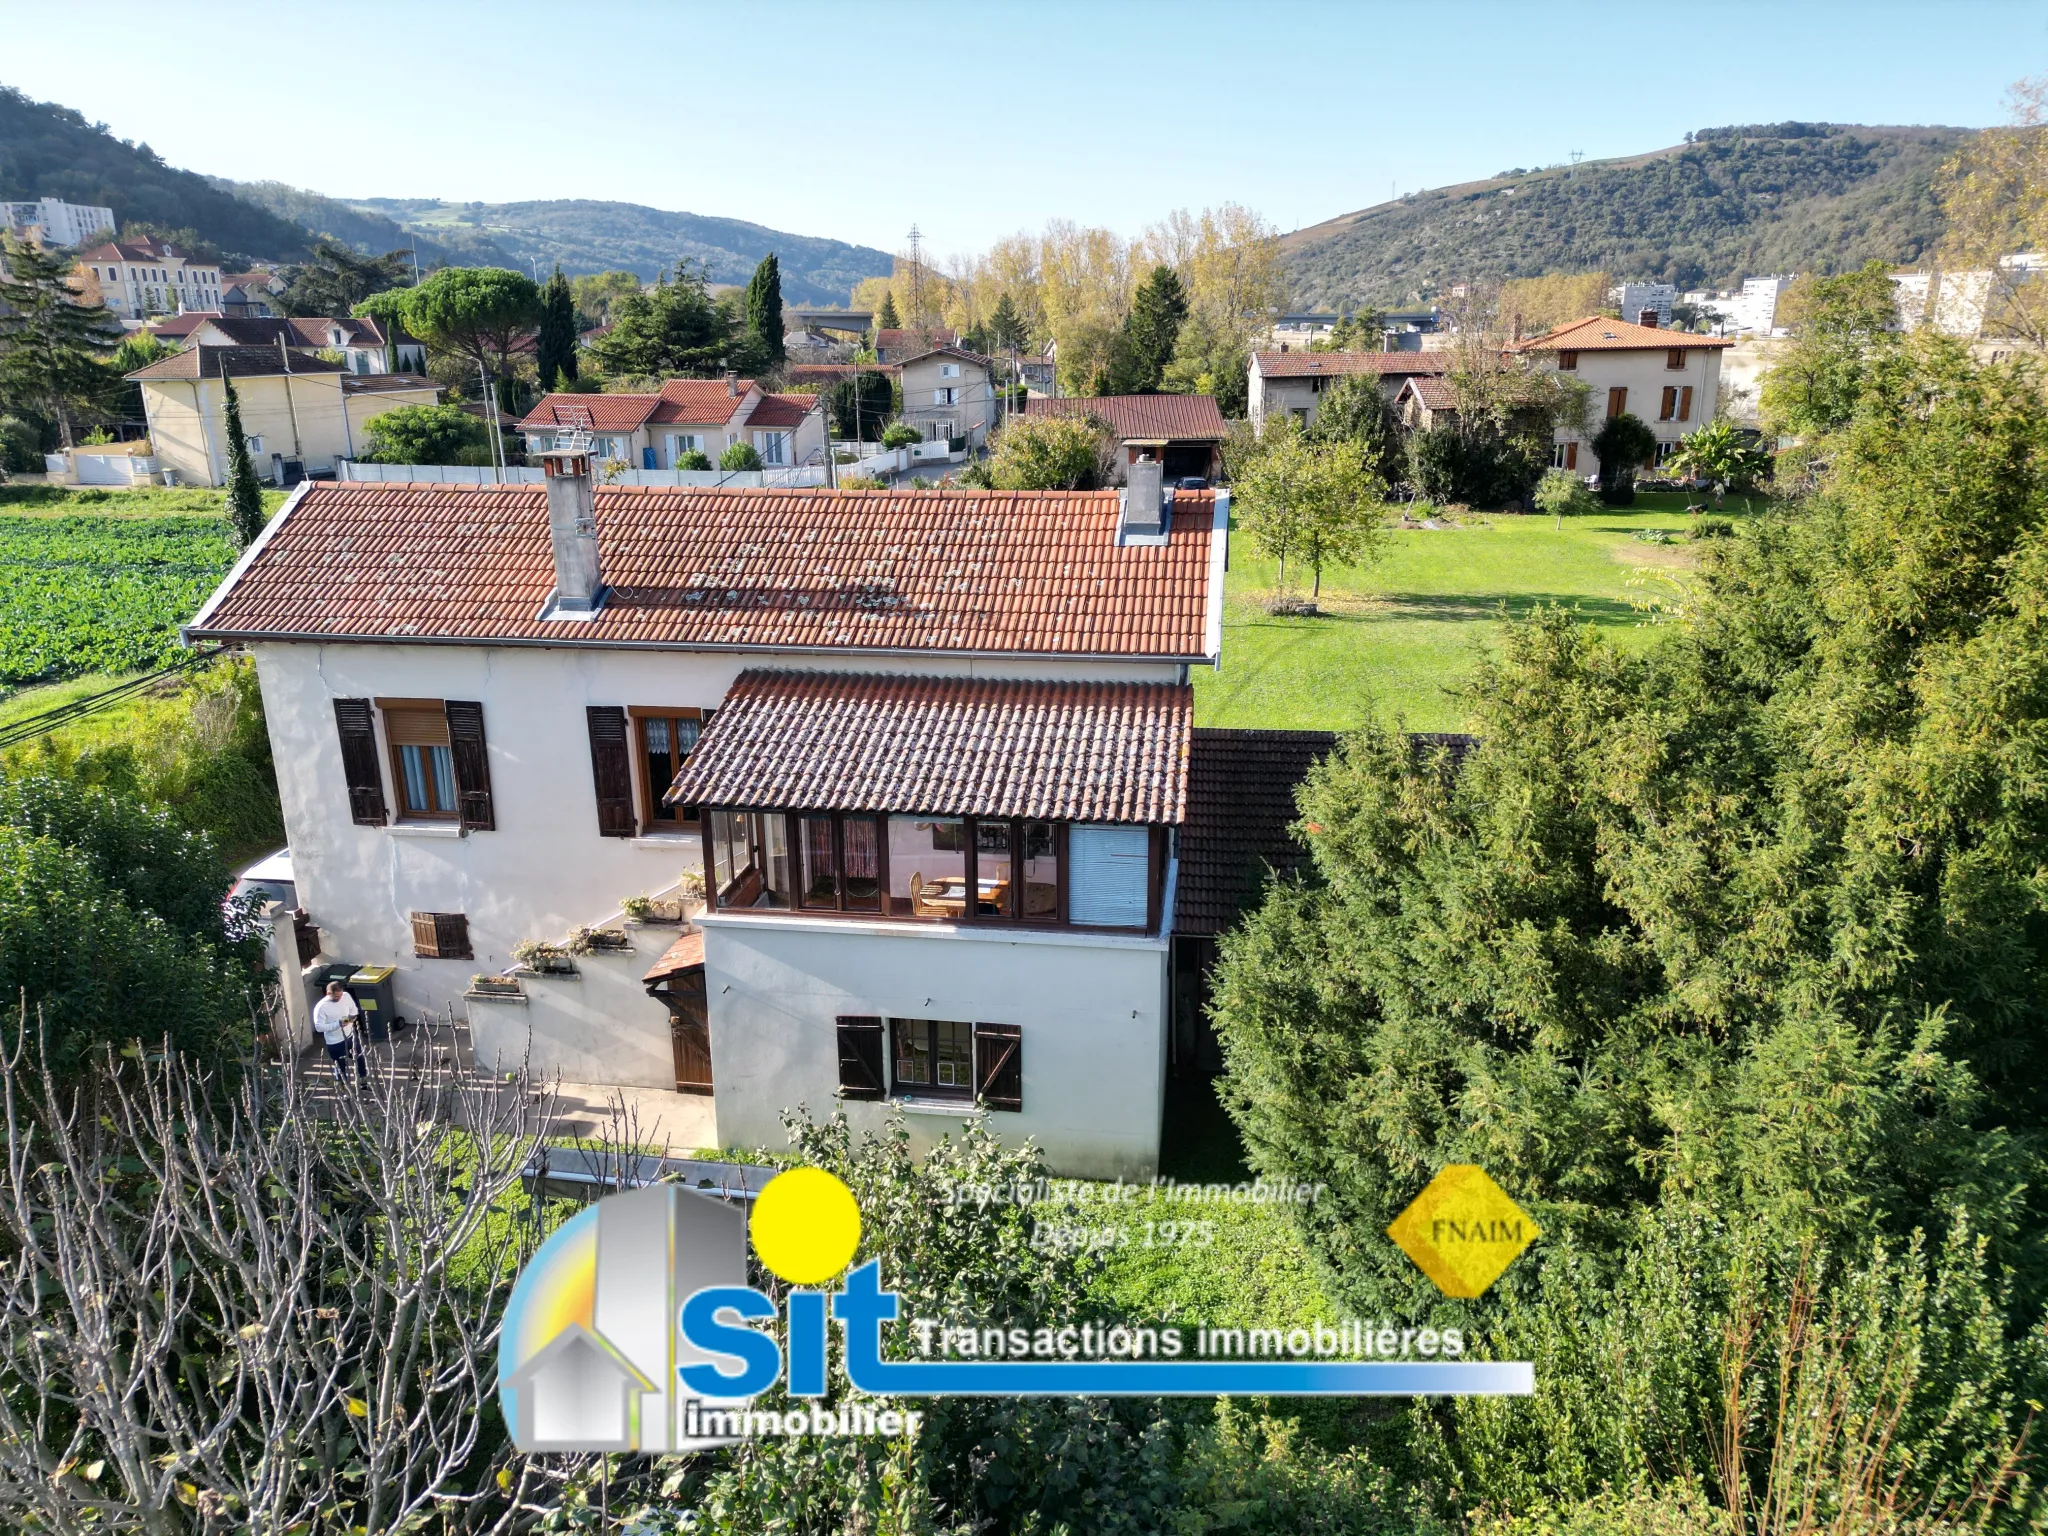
90, 594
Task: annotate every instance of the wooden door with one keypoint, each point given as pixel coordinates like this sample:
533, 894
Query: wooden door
690, 1033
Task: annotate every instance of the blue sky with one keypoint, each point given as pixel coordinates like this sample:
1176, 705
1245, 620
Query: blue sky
974, 120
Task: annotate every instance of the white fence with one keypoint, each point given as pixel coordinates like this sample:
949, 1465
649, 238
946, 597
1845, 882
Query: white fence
471, 474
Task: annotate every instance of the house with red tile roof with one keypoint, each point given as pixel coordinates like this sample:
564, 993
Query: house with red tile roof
707, 416
1185, 433
140, 278
1291, 383
949, 393
1670, 380
916, 763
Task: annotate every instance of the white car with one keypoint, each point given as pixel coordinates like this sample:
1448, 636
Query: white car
268, 879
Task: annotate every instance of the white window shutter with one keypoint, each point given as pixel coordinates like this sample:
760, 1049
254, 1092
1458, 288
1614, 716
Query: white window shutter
1108, 869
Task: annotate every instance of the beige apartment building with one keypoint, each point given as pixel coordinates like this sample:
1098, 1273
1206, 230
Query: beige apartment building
140, 278
296, 409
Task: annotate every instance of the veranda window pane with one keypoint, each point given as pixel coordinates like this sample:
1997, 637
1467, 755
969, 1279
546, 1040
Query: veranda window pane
927, 867
861, 871
1041, 873
992, 869
820, 878
724, 836
771, 852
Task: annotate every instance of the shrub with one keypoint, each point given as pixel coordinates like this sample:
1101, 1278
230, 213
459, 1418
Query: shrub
1478, 464
696, 458
1623, 444
1052, 453
1563, 494
424, 434
739, 456
900, 435
21, 446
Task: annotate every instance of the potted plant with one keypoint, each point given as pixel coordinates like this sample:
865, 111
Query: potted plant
543, 958
647, 909
495, 986
599, 941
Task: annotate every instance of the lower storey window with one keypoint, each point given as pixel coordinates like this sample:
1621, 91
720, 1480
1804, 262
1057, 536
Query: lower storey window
933, 1058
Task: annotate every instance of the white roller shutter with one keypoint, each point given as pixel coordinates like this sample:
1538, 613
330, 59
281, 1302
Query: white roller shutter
1107, 872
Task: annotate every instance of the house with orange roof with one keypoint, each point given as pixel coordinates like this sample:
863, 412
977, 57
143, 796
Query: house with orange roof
1291, 383
707, 416
1669, 380
875, 801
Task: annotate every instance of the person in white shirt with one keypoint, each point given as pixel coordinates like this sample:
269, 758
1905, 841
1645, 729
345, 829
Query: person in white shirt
335, 1017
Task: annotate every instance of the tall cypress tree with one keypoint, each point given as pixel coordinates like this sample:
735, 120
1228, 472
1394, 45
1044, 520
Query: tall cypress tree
764, 313
245, 500
49, 341
555, 345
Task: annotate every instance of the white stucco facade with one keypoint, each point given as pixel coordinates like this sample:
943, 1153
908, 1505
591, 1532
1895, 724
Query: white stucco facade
1093, 1007
1644, 375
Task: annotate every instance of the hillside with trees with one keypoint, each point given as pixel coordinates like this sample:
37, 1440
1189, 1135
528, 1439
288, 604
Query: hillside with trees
364, 230
582, 236
1729, 201
51, 151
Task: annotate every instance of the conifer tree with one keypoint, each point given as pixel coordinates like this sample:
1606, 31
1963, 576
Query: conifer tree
1145, 345
764, 314
555, 346
1006, 326
888, 319
245, 500
49, 340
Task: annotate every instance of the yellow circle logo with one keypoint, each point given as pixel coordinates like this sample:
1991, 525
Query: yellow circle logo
805, 1226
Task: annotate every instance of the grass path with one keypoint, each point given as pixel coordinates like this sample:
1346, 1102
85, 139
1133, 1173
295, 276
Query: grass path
1397, 637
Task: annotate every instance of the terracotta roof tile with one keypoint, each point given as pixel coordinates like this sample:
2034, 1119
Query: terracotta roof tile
686, 954
1597, 333
692, 401
911, 339
1311, 365
1141, 416
1434, 392
701, 400
782, 410
210, 362
1018, 572
1240, 805
946, 746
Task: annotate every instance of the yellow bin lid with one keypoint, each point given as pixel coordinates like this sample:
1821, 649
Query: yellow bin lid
371, 975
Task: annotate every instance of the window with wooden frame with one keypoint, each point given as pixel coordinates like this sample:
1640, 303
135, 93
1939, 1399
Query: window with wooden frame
1674, 358
932, 1058
422, 758
1567, 361
441, 936
663, 740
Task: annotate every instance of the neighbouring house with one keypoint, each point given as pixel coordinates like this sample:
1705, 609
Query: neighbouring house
300, 413
950, 393
928, 752
706, 416
250, 294
825, 375
1183, 433
1426, 400
1039, 375
1671, 380
61, 223
362, 343
895, 344
1292, 383
141, 278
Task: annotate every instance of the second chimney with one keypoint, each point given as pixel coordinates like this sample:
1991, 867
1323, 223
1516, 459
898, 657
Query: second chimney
732, 382
572, 534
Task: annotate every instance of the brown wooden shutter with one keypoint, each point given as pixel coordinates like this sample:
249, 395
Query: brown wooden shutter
1617, 400
860, 1057
1571, 455
441, 936
359, 762
1685, 403
611, 770
472, 765
999, 1065
1668, 406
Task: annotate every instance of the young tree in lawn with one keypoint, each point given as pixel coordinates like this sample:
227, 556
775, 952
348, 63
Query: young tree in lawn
49, 341
245, 499
1623, 445
764, 316
478, 313
554, 348
1312, 501
1563, 494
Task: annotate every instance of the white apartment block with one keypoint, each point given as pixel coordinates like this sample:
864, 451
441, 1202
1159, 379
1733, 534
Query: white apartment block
1639, 299
140, 278
62, 223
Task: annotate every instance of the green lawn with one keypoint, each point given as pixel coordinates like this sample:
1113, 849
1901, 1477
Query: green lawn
1395, 638
144, 501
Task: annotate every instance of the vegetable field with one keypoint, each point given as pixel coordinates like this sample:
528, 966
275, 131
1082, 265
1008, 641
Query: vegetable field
101, 594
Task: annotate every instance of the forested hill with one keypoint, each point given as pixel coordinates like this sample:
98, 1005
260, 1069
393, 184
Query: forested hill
1732, 201
51, 151
590, 236
366, 230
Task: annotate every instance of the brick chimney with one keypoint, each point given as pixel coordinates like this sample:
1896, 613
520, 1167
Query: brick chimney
1648, 317
572, 532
